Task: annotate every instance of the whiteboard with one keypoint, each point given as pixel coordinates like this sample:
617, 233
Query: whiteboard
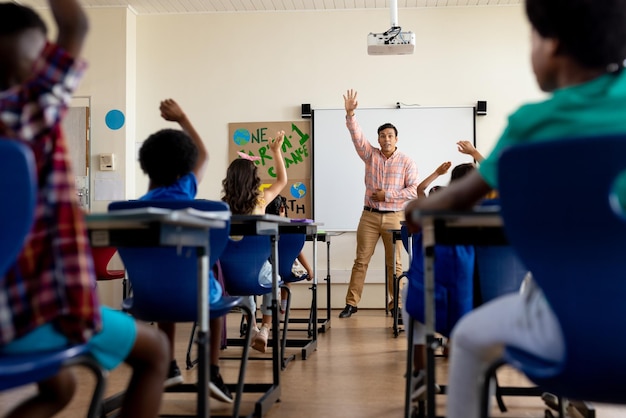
426, 134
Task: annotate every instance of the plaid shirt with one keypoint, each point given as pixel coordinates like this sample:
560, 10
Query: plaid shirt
53, 278
396, 175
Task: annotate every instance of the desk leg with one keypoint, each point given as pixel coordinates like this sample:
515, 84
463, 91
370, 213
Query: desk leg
429, 316
396, 290
314, 290
409, 370
328, 290
203, 333
276, 354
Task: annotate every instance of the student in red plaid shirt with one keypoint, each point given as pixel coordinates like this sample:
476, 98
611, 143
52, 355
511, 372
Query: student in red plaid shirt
47, 297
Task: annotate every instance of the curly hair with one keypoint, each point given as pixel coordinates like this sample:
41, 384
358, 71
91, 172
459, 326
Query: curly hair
593, 32
167, 155
15, 18
241, 186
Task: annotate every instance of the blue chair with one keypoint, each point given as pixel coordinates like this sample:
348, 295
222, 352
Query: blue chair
241, 263
571, 235
18, 186
167, 290
289, 247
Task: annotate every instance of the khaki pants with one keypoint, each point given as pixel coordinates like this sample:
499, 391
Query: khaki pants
371, 227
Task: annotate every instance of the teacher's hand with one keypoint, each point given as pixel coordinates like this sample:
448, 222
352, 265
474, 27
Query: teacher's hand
378, 195
350, 102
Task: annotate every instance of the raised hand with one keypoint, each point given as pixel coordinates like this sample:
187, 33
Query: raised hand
277, 142
171, 111
350, 102
443, 168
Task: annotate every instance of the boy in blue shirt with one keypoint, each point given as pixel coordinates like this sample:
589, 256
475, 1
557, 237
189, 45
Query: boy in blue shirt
175, 162
578, 52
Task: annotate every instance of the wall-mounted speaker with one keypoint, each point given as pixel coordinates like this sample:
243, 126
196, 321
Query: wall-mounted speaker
306, 110
481, 108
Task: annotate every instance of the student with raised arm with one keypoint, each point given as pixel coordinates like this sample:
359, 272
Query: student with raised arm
439, 171
584, 72
48, 297
242, 191
175, 162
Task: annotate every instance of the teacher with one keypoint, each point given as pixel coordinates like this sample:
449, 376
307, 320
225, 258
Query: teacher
390, 181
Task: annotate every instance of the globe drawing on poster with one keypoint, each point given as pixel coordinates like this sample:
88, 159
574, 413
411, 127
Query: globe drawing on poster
241, 137
298, 190
253, 138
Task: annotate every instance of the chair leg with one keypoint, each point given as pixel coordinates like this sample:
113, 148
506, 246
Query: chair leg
490, 374
190, 363
96, 404
244, 363
313, 306
283, 343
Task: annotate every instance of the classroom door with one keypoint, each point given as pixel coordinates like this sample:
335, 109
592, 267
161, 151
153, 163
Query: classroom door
76, 129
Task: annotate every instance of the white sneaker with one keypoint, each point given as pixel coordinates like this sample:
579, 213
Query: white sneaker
259, 342
418, 391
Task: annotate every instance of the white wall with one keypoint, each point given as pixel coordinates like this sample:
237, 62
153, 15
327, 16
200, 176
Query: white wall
261, 66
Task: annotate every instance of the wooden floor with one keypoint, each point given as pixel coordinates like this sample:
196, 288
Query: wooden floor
357, 371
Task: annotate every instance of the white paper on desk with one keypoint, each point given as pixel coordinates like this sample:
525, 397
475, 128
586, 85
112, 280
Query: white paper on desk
109, 186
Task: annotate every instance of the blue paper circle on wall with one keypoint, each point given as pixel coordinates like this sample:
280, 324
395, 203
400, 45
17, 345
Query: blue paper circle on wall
114, 119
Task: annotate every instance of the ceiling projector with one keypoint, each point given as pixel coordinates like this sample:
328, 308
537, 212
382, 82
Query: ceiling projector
391, 43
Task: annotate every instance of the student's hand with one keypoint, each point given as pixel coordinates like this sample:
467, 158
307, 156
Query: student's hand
378, 196
350, 102
414, 226
171, 111
443, 168
466, 147
277, 142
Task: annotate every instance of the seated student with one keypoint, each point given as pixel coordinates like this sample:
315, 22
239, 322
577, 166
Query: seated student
48, 301
242, 192
583, 69
301, 266
175, 162
454, 267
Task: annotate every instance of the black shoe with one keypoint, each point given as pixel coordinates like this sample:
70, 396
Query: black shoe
219, 390
348, 311
174, 377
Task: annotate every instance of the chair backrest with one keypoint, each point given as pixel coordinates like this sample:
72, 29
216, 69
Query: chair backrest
18, 191
164, 279
101, 258
563, 224
289, 247
241, 263
217, 237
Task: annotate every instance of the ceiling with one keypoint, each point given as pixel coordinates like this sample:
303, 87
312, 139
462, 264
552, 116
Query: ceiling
232, 6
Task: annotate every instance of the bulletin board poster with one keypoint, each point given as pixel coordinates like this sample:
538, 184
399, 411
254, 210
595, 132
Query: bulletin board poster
252, 138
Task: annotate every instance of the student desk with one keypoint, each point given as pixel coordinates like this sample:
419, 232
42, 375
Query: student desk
479, 227
154, 227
